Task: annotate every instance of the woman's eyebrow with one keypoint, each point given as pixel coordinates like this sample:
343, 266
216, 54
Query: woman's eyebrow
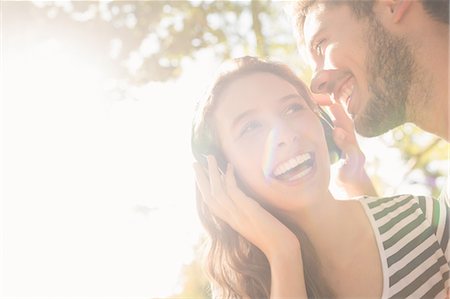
290, 96
249, 112
241, 116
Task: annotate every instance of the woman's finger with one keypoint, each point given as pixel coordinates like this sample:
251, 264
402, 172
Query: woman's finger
342, 120
345, 142
215, 178
203, 183
202, 180
229, 176
233, 190
230, 183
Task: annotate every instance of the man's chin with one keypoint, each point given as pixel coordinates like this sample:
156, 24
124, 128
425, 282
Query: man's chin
370, 128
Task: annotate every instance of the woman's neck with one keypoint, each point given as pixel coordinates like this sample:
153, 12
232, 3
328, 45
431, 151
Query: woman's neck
345, 245
334, 227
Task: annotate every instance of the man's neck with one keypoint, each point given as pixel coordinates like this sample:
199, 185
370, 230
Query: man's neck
430, 95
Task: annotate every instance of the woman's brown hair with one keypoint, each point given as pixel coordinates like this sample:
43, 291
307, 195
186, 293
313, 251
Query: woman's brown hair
236, 267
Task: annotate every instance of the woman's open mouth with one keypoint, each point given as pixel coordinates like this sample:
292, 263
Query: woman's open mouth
295, 168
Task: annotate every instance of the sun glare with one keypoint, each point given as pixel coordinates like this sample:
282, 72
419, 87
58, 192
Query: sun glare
98, 191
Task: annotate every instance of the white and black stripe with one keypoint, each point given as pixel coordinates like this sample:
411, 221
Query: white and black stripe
413, 236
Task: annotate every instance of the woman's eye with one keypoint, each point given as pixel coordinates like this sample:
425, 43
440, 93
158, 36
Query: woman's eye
250, 127
294, 108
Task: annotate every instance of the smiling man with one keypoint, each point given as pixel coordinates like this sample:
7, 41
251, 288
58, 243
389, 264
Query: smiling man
386, 61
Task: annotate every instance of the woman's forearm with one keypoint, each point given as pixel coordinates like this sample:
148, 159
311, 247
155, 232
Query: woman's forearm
360, 185
286, 267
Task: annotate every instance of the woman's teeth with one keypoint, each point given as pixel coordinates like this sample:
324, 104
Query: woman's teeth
293, 163
300, 174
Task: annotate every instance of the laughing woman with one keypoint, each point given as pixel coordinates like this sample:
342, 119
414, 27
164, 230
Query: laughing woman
275, 230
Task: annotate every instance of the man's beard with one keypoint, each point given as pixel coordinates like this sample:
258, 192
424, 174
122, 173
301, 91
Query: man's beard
390, 66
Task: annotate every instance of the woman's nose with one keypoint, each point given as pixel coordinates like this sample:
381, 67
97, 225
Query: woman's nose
283, 134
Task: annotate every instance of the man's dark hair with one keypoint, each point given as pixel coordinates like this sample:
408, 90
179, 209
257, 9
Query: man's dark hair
301, 9
437, 9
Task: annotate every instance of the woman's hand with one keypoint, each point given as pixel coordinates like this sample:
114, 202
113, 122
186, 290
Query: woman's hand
351, 173
227, 202
280, 245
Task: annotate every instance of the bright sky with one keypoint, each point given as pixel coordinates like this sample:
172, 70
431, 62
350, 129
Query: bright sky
97, 191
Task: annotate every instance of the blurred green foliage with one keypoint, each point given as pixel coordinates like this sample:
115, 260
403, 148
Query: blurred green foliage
425, 156
194, 282
142, 41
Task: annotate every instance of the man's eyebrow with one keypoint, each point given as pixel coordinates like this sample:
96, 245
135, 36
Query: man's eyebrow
310, 43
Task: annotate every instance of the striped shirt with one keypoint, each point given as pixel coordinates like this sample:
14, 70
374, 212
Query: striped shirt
412, 234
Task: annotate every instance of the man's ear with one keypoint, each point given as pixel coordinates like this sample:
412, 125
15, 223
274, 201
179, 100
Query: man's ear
398, 9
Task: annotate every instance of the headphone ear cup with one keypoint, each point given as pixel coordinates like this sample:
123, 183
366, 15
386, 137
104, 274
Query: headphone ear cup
202, 147
327, 124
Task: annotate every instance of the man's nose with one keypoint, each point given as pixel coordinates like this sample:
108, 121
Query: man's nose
323, 81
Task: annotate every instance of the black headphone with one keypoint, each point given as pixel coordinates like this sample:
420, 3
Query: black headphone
327, 124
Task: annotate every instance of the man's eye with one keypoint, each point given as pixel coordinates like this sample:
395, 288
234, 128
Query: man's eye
291, 109
318, 48
250, 127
